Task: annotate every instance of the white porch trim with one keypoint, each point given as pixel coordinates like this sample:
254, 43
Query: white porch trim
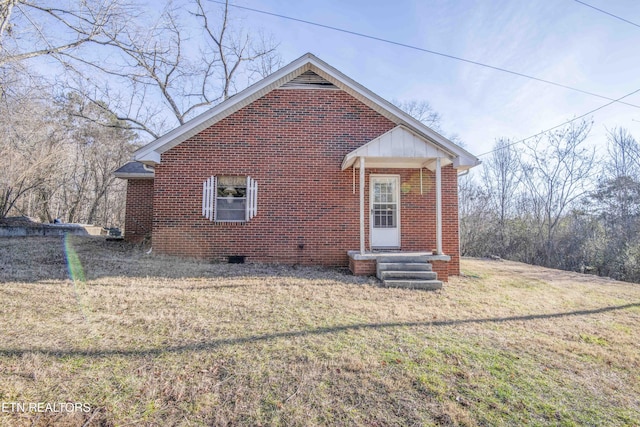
437, 163
438, 207
361, 205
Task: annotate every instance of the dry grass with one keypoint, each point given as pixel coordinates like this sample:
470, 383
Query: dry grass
152, 340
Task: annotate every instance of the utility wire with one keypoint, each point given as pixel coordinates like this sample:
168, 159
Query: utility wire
433, 52
607, 13
560, 125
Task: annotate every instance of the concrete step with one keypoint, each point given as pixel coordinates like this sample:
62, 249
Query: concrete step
405, 274
403, 258
404, 266
413, 284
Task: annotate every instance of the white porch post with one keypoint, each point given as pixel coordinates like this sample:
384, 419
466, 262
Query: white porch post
362, 205
438, 207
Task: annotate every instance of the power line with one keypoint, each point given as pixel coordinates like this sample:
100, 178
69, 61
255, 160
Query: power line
560, 125
433, 52
607, 13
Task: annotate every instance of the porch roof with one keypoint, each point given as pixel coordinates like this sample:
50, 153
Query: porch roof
134, 170
399, 148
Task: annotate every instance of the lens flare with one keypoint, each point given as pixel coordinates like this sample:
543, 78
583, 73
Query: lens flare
76, 273
74, 266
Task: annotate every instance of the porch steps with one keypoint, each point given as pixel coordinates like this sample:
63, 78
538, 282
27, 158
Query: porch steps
408, 274
407, 271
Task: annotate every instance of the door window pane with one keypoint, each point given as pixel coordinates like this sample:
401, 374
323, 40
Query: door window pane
384, 192
384, 215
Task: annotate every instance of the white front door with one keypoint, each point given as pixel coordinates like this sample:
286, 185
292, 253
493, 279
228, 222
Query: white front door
385, 211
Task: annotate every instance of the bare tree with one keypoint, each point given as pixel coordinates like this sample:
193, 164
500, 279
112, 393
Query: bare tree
32, 28
623, 154
29, 149
421, 111
132, 69
619, 185
616, 202
475, 218
191, 57
55, 164
156, 73
557, 171
501, 179
93, 152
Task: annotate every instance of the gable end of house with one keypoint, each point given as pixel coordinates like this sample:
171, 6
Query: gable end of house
307, 72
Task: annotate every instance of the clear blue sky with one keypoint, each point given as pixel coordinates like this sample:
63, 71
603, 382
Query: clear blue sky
558, 40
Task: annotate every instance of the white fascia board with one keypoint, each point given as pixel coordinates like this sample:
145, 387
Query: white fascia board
465, 163
132, 175
149, 158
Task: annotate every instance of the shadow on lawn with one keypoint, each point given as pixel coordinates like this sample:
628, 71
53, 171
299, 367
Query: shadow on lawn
211, 345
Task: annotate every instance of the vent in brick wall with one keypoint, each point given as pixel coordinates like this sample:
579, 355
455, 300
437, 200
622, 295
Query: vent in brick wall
309, 80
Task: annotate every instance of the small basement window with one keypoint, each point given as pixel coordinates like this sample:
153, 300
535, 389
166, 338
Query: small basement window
229, 198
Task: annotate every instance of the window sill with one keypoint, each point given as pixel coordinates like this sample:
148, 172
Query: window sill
229, 222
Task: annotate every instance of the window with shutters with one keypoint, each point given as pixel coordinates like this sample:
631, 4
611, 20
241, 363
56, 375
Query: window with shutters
229, 198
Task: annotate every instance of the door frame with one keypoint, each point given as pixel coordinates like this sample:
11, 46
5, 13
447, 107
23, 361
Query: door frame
398, 213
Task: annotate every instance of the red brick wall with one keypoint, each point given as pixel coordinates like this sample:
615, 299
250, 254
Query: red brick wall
450, 223
443, 269
362, 267
139, 214
292, 142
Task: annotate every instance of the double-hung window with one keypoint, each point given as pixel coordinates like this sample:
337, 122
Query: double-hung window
229, 198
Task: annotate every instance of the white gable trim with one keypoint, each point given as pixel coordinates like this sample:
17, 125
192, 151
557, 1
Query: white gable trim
150, 154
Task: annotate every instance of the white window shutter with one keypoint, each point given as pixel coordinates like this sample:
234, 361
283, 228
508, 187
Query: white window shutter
252, 198
208, 197
255, 199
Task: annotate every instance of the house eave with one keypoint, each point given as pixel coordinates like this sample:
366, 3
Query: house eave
462, 163
129, 175
151, 152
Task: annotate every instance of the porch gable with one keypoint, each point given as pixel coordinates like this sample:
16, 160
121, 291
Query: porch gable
398, 148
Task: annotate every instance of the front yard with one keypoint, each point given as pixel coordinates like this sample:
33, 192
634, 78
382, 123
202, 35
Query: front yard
151, 340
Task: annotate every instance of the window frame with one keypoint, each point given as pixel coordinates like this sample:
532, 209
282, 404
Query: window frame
210, 198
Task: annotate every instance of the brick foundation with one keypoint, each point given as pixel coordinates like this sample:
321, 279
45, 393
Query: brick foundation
362, 267
444, 269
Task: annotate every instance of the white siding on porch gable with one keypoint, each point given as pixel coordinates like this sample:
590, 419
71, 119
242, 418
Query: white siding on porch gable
399, 142
399, 147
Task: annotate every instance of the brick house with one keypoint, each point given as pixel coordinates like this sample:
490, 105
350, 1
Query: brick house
284, 172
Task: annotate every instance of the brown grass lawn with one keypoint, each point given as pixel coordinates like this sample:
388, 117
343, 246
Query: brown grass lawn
152, 340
